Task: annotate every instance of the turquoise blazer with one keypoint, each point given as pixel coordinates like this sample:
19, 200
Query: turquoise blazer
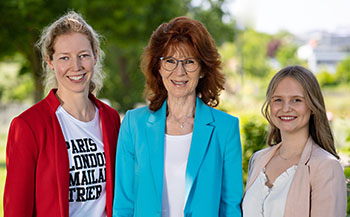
214, 185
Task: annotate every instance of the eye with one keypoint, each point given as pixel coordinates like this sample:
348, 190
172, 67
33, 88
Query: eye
171, 61
297, 100
190, 61
84, 55
277, 100
64, 58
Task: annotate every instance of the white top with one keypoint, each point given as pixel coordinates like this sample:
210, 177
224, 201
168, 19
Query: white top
176, 150
262, 201
87, 165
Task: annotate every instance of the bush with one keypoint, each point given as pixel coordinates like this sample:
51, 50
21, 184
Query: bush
326, 79
253, 133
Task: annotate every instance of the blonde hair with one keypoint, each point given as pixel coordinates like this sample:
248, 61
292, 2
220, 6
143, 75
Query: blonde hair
319, 127
71, 22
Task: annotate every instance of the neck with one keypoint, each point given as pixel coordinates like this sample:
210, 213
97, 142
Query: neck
181, 108
293, 145
78, 105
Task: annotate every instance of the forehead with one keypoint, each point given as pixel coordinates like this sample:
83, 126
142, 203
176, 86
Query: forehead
289, 86
72, 42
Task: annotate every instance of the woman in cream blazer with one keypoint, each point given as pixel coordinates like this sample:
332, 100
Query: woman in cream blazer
299, 175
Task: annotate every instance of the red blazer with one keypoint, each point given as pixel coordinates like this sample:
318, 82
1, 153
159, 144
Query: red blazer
37, 182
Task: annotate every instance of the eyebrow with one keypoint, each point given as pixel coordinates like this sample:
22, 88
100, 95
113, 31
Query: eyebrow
274, 96
66, 53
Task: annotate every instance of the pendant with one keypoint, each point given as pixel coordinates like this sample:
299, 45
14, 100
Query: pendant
182, 125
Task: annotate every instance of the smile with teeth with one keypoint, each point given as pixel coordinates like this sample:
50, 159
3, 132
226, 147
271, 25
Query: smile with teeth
76, 77
287, 118
179, 82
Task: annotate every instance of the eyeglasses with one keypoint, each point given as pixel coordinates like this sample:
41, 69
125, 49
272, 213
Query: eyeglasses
170, 63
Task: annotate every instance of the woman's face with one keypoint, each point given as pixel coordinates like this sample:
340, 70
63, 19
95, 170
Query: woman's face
73, 62
179, 82
288, 108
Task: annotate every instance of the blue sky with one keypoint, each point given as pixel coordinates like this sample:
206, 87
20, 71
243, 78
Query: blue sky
296, 16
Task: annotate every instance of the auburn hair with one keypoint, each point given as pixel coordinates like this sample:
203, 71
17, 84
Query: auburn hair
186, 36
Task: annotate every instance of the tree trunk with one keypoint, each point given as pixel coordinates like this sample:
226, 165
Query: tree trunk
37, 73
122, 60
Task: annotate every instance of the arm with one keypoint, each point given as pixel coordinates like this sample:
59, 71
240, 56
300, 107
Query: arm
123, 205
328, 190
21, 157
232, 182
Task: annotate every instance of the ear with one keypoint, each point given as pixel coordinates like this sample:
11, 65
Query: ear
49, 62
95, 56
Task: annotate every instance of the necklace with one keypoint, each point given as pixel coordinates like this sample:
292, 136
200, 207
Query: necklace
182, 122
279, 155
283, 158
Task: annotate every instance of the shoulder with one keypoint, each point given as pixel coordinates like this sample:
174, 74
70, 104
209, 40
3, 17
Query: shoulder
258, 154
106, 108
223, 118
139, 113
39, 112
321, 161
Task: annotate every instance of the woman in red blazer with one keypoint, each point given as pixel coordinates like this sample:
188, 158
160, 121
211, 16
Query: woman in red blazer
60, 153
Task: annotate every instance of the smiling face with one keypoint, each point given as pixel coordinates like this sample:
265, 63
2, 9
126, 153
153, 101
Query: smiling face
179, 83
288, 108
73, 62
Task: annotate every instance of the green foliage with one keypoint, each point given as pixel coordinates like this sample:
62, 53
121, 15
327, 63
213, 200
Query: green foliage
287, 54
253, 129
212, 18
126, 26
252, 51
326, 79
343, 71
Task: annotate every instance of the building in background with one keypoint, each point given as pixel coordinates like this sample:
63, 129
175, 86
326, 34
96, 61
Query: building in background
324, 50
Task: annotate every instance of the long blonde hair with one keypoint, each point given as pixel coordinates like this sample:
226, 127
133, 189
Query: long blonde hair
319, 127
71, 22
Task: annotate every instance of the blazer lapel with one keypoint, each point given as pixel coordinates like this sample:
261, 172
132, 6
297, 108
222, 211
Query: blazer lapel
60, 156
260, 162
298, 201
156, 133
201, 136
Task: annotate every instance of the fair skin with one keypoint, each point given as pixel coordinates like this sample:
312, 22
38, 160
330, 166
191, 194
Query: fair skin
73, 62
181, 87
290, 114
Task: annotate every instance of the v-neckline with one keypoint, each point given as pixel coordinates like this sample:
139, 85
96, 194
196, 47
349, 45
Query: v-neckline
271, 185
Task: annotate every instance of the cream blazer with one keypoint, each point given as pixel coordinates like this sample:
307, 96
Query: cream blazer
318, 188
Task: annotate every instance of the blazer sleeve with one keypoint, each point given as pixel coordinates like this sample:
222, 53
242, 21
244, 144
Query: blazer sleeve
123, 205
328, 190
21, 157
232, 185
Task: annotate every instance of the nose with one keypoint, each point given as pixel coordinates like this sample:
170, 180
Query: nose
286, 107
76, 64
180, 69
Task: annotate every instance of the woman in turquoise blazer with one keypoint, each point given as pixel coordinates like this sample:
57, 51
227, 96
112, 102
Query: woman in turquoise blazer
150, 181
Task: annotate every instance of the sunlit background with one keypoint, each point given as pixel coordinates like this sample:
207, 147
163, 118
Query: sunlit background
255, 39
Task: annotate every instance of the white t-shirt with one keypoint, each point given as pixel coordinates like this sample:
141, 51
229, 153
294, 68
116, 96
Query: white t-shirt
176, 150
87, 165
262, 201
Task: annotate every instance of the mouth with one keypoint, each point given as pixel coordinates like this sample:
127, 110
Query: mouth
179, 83
287, 118
76, 77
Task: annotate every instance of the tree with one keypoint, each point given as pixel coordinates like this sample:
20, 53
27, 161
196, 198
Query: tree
21, 24
254, 53
126, 26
